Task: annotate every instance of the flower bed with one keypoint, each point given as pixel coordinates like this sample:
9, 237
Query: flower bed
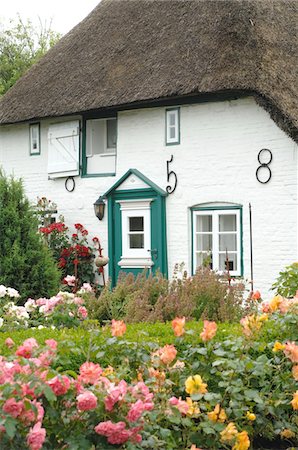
157, 386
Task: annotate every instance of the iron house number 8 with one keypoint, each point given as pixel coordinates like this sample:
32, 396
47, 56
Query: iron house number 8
264, 158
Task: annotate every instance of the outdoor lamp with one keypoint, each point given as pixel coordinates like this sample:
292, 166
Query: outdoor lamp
99, 208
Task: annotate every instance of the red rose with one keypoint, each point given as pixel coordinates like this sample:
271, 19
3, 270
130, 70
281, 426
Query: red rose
62, 262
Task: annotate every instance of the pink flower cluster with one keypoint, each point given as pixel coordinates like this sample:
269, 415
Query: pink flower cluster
29, 371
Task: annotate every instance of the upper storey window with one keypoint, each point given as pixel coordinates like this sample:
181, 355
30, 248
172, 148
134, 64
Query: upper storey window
172, 126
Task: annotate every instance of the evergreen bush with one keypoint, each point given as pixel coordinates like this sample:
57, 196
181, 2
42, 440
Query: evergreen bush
26, 264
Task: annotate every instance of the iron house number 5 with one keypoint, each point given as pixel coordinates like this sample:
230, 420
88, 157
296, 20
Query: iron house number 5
171, 175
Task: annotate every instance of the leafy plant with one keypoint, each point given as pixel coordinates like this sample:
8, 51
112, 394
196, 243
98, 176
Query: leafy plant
25, 261
287, 281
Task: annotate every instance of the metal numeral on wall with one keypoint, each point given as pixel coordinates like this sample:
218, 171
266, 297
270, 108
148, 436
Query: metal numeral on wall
171, 173
267, 154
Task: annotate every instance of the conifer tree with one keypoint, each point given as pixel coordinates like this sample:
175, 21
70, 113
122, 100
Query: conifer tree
26, 264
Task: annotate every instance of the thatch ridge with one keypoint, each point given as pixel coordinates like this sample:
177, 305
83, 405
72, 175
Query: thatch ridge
130, 51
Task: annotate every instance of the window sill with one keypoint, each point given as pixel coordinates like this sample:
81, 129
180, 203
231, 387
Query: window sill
95, 175
135, 263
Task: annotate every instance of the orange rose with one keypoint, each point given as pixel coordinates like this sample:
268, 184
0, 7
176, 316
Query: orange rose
118, 327
291, 351
178, 326
256, 295
295, 372
209, 330
167, 354
294, 402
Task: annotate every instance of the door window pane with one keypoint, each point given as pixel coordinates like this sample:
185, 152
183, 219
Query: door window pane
227, 222
136, 224
136, 241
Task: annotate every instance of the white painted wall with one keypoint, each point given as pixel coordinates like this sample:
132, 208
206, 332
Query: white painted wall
216, 161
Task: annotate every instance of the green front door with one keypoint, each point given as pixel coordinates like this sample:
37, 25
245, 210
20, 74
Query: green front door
137, 230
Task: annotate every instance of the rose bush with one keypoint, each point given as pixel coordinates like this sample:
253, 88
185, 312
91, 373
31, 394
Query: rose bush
62, 310
194, 391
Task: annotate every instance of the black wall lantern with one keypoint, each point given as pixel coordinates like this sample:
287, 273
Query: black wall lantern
99, 208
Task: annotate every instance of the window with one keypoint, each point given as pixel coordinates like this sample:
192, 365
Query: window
136, 233
100, 146
172, 126
34, 138
217, 239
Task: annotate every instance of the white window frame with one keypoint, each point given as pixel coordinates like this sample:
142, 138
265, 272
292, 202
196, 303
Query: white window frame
176, 113
215, 213
135, 257
106, 151
32, 127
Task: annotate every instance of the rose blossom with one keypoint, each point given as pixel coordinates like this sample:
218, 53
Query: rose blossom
59, 385
116, 433
89, 373
291, 351
9, 342
36, 437
86, 401
25, 350
167, 354
12, 407
178, 326
82, 312
118, 327
181, 405
51, 343
209, 330
70, 280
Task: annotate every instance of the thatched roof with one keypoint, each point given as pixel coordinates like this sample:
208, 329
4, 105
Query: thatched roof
131, 51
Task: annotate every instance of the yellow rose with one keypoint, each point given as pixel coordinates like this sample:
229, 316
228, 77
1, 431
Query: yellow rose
278, 347
229, 433
250, 416
195, 385
242, 441
217, 415
287, 434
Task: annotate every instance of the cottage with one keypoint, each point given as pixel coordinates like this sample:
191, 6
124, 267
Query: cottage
183, 115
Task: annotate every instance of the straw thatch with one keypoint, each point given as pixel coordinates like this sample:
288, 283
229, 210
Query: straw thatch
130, 51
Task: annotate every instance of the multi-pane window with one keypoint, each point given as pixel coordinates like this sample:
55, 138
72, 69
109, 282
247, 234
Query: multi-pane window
34, 135
100, 146
217, 240
172, 126
136, 232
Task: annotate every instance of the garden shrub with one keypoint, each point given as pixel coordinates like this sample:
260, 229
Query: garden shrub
206, 295
287, 281
25, 262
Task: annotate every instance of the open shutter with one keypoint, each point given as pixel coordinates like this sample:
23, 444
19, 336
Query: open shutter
63, 149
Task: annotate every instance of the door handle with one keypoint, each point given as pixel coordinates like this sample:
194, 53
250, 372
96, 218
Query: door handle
154, 253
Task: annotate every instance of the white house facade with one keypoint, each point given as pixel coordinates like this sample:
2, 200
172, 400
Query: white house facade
185, 179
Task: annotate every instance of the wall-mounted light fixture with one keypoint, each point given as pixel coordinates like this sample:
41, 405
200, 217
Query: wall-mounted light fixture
99, 208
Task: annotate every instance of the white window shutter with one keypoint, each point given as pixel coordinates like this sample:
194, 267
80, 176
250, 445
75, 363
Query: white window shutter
63, 149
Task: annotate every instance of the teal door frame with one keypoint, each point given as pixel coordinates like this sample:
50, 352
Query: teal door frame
157, 218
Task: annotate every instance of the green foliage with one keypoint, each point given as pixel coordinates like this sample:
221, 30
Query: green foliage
151, 298
242, 375
25, 262
22, 45
287, 282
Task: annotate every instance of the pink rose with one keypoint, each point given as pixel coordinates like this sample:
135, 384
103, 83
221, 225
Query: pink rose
12, 407
9, 342
51, 343
86, 401
89, 373
82, 312
25, 350
36, 437
59, 385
